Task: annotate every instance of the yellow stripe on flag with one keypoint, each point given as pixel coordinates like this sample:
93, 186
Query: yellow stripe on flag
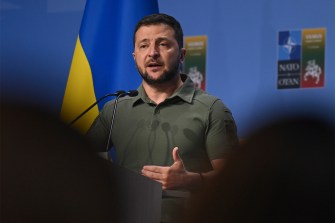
79, 92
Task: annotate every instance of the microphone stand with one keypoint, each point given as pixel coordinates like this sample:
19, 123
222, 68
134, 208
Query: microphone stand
131, 93
112, 121
118, 93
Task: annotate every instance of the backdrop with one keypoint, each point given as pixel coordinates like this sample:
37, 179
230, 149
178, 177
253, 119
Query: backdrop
38, 40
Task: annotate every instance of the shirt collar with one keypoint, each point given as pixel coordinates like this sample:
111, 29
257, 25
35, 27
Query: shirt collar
185, 92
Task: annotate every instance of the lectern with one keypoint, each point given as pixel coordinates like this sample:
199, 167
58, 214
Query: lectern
140, 196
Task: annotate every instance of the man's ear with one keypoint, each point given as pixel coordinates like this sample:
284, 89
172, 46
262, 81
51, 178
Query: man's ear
134, 56
182, 55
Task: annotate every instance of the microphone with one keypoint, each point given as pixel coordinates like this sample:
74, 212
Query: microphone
130, 93
117, 93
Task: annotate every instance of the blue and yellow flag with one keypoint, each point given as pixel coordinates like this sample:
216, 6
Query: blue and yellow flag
102, 62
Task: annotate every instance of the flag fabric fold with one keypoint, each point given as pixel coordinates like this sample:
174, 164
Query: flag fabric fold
102, 62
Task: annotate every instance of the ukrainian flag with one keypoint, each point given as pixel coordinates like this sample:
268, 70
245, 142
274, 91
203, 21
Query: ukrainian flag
102, 62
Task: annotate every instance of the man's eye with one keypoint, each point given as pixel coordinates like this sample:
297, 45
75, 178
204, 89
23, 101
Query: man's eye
143, 46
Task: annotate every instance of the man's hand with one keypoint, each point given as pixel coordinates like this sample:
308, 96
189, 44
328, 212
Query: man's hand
176, 176
171, 177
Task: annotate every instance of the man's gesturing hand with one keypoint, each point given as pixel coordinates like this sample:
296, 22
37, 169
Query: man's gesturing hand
171, 177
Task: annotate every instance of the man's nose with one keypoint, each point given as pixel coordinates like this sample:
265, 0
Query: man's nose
153, 51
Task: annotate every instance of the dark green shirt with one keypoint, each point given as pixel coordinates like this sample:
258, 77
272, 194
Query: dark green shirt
145, 133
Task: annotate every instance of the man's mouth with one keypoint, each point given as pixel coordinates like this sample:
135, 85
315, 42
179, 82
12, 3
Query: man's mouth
154, 64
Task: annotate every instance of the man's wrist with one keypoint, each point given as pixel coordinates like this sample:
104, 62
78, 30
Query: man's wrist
195, 181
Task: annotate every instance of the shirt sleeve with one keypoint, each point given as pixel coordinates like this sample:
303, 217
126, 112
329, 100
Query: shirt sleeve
221, 135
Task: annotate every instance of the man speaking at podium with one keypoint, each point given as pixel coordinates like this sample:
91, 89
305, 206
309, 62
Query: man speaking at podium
170, 132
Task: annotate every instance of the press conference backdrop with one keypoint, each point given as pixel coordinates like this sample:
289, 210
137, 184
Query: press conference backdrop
243, 43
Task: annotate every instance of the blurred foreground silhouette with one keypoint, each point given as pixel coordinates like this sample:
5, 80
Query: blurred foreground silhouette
49, 173
282, 173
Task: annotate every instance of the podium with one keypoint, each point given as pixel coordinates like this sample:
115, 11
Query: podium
141, 197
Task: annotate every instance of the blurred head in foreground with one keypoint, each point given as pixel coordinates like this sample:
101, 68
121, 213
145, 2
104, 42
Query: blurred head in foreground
48, 172
282, 173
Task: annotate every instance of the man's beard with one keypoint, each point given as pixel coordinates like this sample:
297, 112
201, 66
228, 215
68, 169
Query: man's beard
164, 78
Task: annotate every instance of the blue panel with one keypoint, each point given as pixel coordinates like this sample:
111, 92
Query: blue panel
243, 50
38, 39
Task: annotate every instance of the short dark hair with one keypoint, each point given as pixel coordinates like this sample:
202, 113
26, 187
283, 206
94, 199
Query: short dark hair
160, 18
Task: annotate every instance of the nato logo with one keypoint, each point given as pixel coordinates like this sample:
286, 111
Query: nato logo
289, 44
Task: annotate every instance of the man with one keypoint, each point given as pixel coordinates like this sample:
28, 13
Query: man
171, 132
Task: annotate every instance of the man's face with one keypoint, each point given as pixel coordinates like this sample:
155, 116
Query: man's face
157, 54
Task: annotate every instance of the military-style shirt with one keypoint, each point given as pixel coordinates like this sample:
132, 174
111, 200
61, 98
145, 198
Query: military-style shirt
145, 133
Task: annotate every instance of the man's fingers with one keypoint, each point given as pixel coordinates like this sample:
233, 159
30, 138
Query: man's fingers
152, 175
154, 172
157, 169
